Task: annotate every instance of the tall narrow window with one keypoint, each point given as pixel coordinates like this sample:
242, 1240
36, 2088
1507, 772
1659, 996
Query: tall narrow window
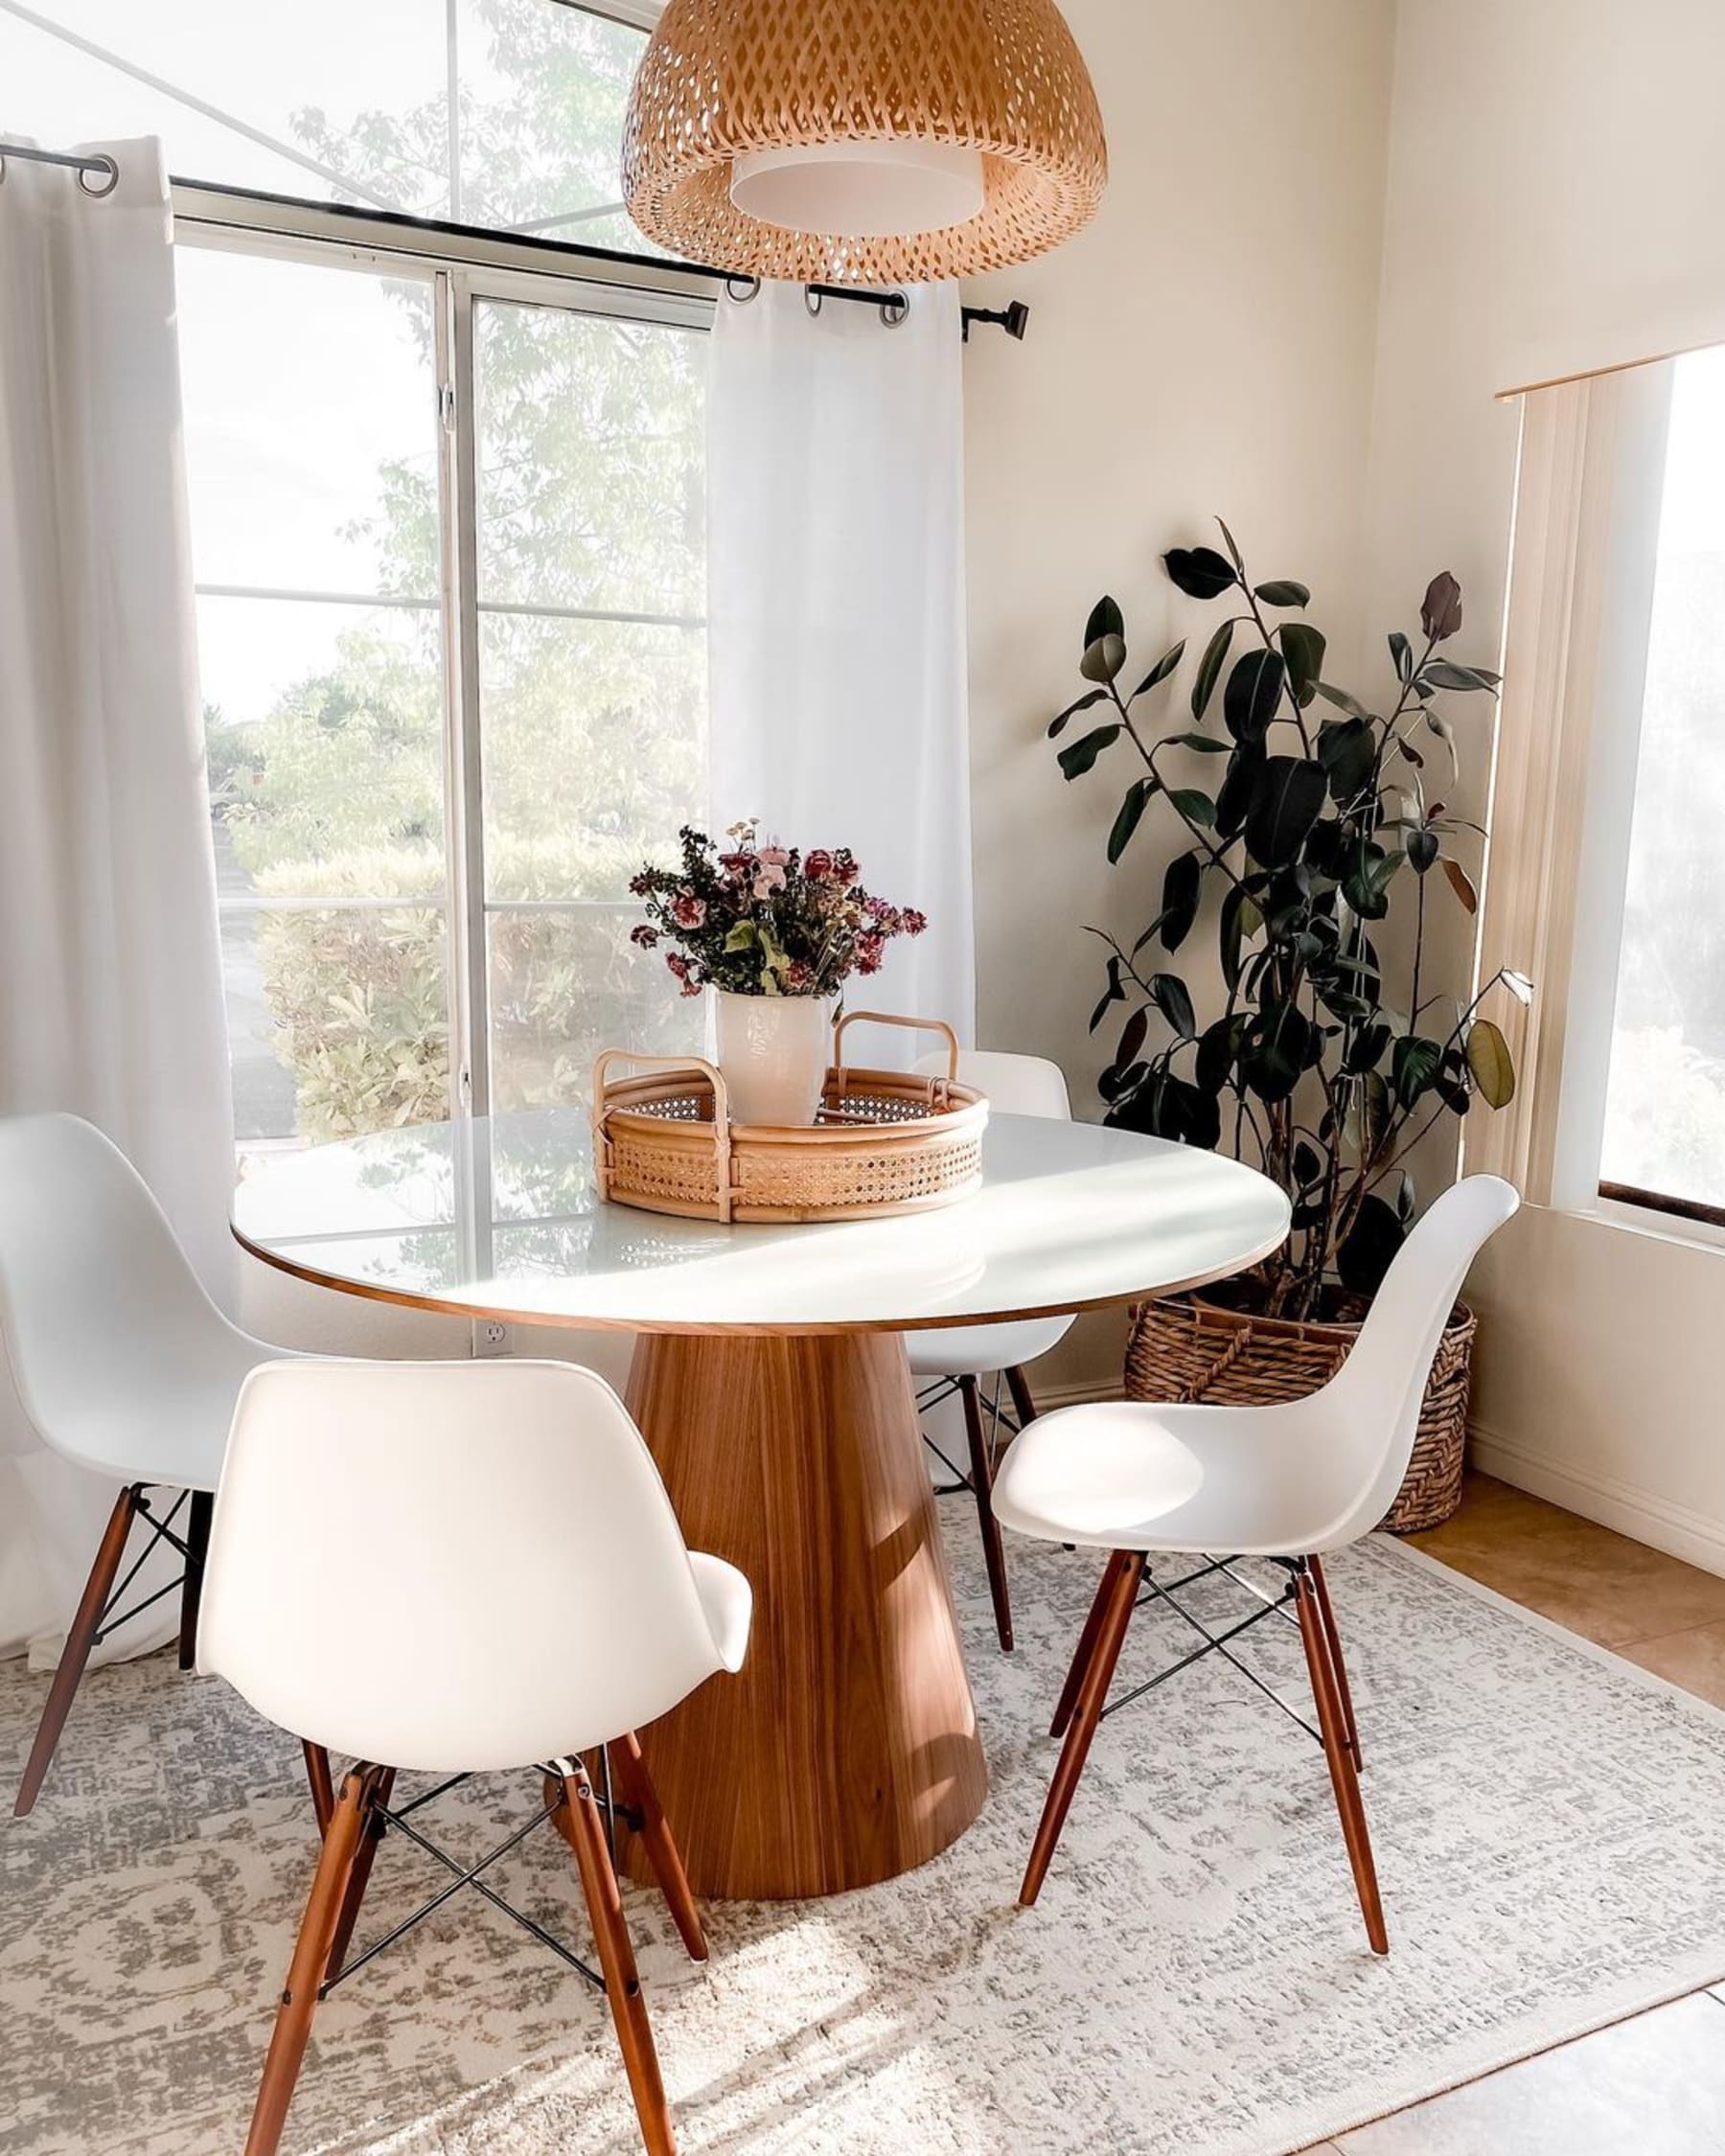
313, 449
1665, 1118
591, 589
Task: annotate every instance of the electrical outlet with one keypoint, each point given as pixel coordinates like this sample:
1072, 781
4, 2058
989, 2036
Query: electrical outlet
492, 1337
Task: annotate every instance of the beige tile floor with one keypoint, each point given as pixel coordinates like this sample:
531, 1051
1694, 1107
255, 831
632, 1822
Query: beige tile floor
1653, 2086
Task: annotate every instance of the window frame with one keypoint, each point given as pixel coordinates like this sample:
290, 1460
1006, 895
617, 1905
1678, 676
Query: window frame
463, 266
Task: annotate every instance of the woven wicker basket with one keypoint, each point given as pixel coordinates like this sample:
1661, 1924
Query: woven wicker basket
1184, 1348
886, 1141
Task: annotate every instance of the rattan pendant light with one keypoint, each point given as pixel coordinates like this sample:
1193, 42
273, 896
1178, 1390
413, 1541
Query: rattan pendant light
863, 140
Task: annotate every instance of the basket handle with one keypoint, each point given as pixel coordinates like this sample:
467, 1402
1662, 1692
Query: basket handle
721, 1116
889, 1017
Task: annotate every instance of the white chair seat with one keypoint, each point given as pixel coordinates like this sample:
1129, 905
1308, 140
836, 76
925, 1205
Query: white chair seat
728, 1602
972, 1350
1121, 1475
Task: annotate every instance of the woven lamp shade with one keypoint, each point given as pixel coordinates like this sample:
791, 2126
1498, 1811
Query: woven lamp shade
720, 79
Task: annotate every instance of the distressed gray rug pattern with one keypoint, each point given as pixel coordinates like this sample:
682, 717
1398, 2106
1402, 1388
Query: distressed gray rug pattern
1549, 1828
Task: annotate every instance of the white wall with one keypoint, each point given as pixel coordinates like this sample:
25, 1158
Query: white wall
1204, 348
1556, 169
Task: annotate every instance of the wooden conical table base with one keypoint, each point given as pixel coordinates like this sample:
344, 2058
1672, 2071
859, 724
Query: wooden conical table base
846, 1752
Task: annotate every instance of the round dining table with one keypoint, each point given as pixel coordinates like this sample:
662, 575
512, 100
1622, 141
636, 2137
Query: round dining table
771, 1381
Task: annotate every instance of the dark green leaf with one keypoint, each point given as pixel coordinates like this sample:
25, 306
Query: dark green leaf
1282, 591
1103, 660
1401, 652
1057, 725
1169, 994
1181, 886
1207, 744
1308, 1162
1347, 750
1274, 1051
1126, 822
1366, 882
1198, 571
1233, 552
1113, 993
1209, 669
1303, 650
1253, 692
1132, 1039
1489, 1060
1244, 769
1413, 1067
1217, 1051
1120, 1079
1105, 620
1160, 671
1366, 1049
1078, 756
1240, 919
1370, 1248
1422, 848
1441, 675
1287, 801
1342, 701
1196, 806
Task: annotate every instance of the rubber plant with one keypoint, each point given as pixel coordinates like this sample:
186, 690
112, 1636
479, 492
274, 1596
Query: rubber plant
1326, 1062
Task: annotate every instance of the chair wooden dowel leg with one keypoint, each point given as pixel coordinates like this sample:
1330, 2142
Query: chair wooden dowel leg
359, 1877
1086, 1648
638, 1793
982, 1482
1351, 1729
323, 1789
1024, 1406
349, 1831
1345, 1778
1093, 1697
197, 1544
617, 1962
76, 1653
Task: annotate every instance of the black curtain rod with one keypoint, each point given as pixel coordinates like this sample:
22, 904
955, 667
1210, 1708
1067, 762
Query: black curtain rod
891, 304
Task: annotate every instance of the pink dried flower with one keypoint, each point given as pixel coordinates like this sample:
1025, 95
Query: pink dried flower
738, 866
817, 866
769, 876
799, 977
870, 950
645, 934
846, 865
688, 910
678, 964
775, 857
912, 922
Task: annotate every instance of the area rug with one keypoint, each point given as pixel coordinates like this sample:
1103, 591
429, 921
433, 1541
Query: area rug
1549, 1825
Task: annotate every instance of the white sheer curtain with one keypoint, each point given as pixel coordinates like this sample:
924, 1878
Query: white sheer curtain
110, 976
837, 637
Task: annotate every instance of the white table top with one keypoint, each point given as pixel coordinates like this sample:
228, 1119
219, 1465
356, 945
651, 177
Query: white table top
496, 1218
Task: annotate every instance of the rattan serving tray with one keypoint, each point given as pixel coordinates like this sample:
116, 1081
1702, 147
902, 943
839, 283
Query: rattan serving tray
886, 1141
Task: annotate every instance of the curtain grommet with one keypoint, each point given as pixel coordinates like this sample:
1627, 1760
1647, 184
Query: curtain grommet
750, 289
105, 165
895, 312
812, 301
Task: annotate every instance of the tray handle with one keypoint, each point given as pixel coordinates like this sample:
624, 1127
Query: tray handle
890, 1017
721, 1137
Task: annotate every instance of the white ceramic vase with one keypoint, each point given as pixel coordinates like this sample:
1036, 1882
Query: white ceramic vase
773, 1051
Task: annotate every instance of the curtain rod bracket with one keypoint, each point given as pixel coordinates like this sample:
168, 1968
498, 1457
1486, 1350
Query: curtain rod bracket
1013, 319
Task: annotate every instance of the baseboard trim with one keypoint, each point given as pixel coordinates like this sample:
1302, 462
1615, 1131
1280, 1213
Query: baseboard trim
1661, 1524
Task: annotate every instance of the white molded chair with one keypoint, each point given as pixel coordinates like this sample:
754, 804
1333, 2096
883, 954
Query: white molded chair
957, 1359
1288, 1482
121, 1362
468, 1565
